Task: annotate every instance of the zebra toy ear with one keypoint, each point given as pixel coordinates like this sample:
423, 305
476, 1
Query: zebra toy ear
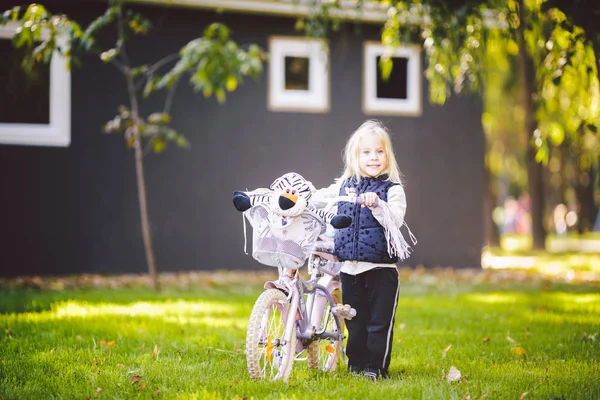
292, 193
294, 181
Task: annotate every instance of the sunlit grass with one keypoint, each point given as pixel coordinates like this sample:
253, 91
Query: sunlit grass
507, 339
572, 242
565, 256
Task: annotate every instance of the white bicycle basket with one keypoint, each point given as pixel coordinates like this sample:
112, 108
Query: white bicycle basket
279, 241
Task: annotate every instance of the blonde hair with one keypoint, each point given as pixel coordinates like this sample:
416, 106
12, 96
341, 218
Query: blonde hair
352, 151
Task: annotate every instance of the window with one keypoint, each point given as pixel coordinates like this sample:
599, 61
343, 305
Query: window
298, 75
35, 111
400, 94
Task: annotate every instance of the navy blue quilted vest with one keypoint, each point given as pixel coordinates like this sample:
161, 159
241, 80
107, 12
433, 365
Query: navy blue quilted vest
364, 239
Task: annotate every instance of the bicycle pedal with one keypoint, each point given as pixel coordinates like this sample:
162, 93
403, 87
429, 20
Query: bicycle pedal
344, 311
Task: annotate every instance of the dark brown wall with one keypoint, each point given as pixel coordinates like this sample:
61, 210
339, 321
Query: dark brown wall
69, 210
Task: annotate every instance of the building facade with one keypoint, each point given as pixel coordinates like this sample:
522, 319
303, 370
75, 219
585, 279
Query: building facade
68, 192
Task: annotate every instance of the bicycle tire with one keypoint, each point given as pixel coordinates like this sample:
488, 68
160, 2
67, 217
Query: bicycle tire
324, 354
267, 356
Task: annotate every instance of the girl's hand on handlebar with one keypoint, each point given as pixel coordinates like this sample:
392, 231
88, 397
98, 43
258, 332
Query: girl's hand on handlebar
369, 199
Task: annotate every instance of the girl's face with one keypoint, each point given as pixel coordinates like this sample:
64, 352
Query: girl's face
372, 157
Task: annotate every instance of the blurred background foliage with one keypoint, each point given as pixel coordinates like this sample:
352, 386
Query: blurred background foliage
534, 66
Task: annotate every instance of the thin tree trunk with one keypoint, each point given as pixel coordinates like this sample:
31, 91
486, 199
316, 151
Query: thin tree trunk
584, 191
139, 155
490, 229
534, 169
142, 198
141, 183
594, 169
536, 193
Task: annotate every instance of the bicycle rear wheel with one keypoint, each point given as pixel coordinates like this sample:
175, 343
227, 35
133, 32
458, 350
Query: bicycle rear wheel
268, 356
324, 354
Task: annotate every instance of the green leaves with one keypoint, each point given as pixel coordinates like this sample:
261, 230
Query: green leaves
88, 41
570, 90
154, 133
109, 55
215, 64
10, 15
43, 32
137, 23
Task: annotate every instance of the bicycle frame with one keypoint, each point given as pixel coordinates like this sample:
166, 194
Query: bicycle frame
295, 287
318, 288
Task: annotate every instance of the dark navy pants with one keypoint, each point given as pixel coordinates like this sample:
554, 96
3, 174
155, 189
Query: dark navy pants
374, 296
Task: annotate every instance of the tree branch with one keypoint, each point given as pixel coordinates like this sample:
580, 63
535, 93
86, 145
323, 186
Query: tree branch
169, 99
155, 67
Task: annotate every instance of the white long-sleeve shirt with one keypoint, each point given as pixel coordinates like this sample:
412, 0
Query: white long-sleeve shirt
395, 205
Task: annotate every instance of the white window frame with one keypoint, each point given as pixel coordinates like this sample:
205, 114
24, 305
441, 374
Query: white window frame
58, 131
313, 100
372, 105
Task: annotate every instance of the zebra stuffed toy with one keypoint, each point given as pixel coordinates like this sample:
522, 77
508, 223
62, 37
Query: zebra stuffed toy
289, 197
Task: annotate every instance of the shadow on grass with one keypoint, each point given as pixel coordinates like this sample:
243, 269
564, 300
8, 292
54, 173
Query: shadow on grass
21, 300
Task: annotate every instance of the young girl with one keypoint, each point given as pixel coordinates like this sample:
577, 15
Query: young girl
370, 246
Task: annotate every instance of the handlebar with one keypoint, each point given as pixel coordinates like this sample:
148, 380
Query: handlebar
354, 199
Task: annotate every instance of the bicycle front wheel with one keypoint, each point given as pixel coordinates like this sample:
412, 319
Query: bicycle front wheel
268, 355
324, 354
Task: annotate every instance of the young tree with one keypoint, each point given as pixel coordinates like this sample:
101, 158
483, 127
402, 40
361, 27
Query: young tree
214, 62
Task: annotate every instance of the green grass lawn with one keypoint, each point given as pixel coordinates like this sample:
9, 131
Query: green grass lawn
509, 338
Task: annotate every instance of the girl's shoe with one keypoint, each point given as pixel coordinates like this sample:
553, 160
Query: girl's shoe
372, 376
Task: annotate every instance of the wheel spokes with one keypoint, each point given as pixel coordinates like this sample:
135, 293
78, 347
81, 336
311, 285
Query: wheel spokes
271, 340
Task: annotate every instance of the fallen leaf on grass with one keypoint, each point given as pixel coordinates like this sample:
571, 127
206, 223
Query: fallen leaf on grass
511, 340
519, 351
486, 339
111, 343
589, 336
142, 386
135, 379
155, 352
446, 350
453, 375
523, 395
